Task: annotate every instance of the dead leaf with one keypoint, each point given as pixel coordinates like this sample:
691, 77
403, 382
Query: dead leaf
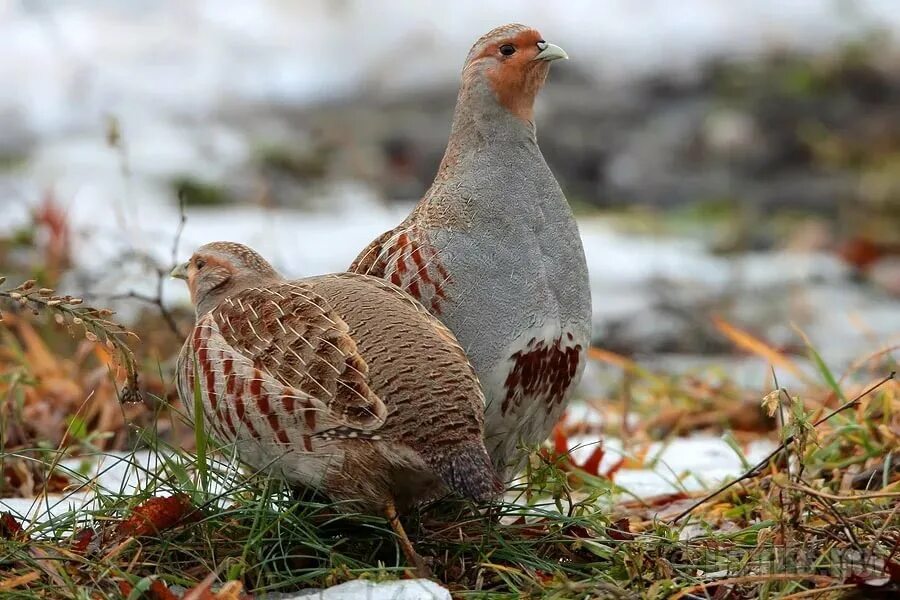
81, 540
771, 402
893, 570
155, 515
159, 591
750, 343
621, 530
10, 528
19, 580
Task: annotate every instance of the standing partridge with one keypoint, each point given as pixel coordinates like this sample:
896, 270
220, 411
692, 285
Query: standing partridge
493, 250
341, 382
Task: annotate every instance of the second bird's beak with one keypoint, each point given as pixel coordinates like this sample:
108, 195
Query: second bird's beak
180, 272
550, 52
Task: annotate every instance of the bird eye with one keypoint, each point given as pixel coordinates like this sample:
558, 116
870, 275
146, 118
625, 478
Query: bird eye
199, 263
507, 49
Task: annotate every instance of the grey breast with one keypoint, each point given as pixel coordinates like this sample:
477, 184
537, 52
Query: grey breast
518, 264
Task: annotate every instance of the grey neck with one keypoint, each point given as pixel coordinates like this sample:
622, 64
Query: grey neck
480, 122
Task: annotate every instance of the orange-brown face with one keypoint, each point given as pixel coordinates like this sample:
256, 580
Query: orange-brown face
515, 60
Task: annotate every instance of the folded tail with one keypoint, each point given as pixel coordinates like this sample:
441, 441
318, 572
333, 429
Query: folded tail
467, 470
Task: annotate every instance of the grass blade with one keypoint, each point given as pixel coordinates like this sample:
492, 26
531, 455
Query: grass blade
199, 434
821, 366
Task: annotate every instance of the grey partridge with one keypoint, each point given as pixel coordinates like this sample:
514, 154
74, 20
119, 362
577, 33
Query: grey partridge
343, 383
494, 251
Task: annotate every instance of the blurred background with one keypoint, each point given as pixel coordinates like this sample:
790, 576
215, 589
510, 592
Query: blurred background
730, 162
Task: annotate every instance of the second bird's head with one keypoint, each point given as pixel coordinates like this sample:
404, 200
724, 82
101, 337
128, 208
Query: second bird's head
513, 61
221, 269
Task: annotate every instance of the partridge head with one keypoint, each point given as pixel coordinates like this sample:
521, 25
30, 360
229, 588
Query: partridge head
513, 61
218, 270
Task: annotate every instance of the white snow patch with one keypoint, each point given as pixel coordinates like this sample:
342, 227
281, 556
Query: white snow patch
410, 589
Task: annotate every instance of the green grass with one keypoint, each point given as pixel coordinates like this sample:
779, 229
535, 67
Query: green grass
550, 538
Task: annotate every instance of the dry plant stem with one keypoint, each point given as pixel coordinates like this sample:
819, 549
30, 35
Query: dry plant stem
752, 472
702, 587
155, 301
97, 327
820, 592
422, 570
837, 498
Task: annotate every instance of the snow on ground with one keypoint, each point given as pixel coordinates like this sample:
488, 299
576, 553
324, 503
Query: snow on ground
408, 589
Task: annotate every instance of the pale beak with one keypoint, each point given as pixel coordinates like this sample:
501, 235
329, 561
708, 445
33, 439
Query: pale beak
550, 52
180, 272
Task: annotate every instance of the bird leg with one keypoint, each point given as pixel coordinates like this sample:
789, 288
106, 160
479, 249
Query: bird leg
412, 556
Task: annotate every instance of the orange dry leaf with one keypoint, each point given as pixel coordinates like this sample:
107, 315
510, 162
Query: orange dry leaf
159, 591
81, 540
11, 583
65, 396
232, 590
612, 358
155, 515
561, 454
638, 460
52, 219
753, 344
656, 501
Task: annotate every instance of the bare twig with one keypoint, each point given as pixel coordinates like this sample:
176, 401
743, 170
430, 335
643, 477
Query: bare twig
156, 301
752, 472
702, 587
162, 276
829, 508
845, 498
181, 223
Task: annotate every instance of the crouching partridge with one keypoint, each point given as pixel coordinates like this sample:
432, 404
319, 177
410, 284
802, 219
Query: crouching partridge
493, 250
341, 382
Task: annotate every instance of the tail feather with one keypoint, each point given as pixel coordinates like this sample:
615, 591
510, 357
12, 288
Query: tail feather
467, 470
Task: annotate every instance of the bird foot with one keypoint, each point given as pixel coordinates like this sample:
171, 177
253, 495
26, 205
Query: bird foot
421, 569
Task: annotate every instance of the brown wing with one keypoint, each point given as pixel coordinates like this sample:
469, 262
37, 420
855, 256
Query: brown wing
372, 260
406, 257
293, 335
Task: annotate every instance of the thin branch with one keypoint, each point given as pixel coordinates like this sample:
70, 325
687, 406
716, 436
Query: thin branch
162, 275
845, 498
701, 587
752, 472
155, 301
182, 221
